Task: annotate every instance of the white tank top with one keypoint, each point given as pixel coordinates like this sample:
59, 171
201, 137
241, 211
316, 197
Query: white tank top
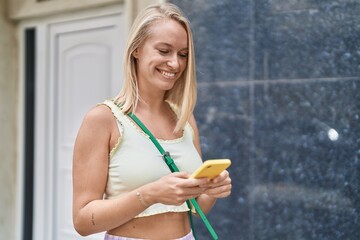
136, 161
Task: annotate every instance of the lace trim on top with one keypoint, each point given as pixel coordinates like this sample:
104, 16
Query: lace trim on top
173, 108
157, 208
109, 102
119, 125
175, 140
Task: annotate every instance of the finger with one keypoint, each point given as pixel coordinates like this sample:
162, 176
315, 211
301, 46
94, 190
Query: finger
212, 184
218, 190
195, 182
222, 176
180, 174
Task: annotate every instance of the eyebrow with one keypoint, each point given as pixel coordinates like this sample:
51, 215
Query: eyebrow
169, 45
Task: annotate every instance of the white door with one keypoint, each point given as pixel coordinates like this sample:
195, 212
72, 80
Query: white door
79, 65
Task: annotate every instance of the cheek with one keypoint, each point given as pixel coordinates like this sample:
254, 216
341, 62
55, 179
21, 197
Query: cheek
183, 63
155, 61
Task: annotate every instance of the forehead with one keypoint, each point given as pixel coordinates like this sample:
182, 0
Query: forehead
170, 32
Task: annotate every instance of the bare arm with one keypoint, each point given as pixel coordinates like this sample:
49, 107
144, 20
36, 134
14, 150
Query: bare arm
92, 213
90, 166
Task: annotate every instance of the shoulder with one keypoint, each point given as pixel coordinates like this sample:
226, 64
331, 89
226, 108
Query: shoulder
193, 127
95, 132
192, 122
100, 114
98, 120
195, 132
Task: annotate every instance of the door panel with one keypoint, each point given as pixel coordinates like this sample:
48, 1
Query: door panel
84, 68
86, 56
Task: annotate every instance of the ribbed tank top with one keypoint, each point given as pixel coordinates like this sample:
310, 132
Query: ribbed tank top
136, 161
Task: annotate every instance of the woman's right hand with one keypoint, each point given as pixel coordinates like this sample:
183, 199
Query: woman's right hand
173, 189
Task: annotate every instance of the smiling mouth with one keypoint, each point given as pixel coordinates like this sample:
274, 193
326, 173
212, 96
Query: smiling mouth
167, 74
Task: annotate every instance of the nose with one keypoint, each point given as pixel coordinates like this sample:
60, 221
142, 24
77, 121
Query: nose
173, 62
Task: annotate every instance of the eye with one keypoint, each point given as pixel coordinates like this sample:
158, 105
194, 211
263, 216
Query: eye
163, 51
184, 54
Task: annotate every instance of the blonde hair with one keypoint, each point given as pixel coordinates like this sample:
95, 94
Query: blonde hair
183, 94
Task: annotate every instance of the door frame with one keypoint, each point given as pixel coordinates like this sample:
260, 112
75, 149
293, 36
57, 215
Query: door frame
42, 117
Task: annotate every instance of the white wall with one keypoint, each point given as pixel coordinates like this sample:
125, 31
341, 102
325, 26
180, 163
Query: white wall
8, 130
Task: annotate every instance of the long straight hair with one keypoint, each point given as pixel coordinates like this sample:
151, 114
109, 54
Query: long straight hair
184, 92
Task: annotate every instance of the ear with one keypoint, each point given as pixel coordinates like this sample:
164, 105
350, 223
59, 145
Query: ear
136, 53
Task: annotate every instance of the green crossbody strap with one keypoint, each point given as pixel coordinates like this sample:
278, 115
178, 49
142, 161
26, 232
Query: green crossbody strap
171, 164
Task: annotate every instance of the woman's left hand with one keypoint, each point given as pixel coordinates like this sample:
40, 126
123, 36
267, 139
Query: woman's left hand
219, 187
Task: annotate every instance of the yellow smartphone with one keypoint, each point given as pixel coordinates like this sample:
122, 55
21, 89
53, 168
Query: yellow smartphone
211, 168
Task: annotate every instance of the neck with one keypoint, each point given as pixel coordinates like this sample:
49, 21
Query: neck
152, 101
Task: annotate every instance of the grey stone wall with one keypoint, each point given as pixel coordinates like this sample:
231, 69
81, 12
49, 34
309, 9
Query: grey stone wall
279, 84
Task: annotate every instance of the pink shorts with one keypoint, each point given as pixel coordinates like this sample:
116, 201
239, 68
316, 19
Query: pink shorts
189, 236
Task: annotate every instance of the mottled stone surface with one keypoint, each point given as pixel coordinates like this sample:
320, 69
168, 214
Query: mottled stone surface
306, 38
279, 94
306, 160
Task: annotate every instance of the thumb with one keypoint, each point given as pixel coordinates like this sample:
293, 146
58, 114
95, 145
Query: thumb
181, 174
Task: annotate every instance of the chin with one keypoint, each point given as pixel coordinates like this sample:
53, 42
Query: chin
167, 88
168, 85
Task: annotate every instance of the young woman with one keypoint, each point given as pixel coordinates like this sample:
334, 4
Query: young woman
121, 183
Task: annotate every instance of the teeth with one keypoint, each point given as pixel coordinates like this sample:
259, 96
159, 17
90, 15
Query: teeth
167, 74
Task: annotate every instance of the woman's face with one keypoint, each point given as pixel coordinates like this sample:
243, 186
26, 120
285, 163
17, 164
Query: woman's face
162, 58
